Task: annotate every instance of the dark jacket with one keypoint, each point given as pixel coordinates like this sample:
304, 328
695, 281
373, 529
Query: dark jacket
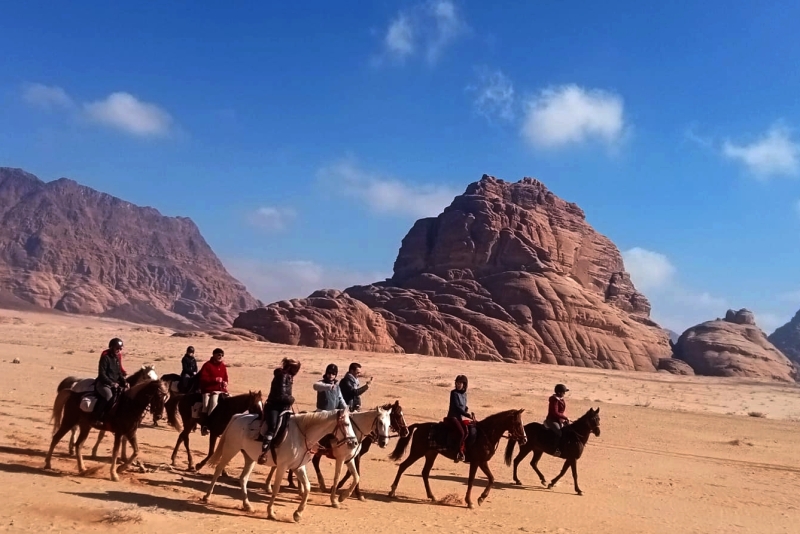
280, 391
351, 392
329, 398
458, 404
109, 370
189, 365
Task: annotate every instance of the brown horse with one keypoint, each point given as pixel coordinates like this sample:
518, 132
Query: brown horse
123, 420
569, 446
145, 372
226, 408
426, 440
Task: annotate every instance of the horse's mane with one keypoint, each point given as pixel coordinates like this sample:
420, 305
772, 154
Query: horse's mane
492, 419
135, 390
305, 420
589, 414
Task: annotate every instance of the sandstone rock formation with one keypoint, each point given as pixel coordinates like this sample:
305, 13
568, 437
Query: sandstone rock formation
508, 272
733, 346
787, 338
675, 366
68, 247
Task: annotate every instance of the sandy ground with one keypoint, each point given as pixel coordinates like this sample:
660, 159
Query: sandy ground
676, 454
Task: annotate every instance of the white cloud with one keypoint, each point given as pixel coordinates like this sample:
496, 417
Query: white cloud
125, 112
388, 195
773, 154
494, 95
569, 114
271, 218
46, 96
648, 269
768, 322
273, 281
429, 28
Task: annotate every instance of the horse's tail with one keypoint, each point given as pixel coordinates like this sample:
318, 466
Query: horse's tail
509, 451
172, 412
217, 456
58, 408
402, 443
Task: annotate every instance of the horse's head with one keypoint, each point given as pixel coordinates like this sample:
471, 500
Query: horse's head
345, 427
382, 425
593, 418
397, 421
517, 430
256, 403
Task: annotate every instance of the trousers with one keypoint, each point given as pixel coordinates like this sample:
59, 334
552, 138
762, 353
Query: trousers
210, 401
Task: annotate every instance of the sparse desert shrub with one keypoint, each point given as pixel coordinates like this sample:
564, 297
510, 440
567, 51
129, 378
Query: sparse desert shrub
757, 414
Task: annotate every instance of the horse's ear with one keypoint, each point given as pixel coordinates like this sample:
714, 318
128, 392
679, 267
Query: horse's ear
520, 411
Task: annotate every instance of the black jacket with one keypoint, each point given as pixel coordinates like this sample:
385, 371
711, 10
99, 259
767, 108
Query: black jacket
189, 365
109, 371
351, 392
458, 404
280, 391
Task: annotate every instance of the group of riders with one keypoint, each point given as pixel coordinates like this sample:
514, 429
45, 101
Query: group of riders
332, 394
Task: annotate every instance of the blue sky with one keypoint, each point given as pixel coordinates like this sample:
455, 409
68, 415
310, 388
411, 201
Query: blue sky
305, 138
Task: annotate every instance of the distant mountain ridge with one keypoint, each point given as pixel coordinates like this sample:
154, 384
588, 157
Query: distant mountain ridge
68, 247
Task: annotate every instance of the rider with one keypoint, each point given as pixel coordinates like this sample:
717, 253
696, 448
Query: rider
556, 418
351, 389
329, 395
213, 381
110, 378
457, 411
188, 371
279, 400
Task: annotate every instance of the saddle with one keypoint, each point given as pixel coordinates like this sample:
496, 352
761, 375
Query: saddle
280, 433
442, 439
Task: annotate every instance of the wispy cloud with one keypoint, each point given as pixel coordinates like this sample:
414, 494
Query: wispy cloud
386, 195
46, 96
569, 114
774, 153
493, 95
271, 219
426, 29
648, 269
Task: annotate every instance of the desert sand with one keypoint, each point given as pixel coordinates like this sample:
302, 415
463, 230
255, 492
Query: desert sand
676, 454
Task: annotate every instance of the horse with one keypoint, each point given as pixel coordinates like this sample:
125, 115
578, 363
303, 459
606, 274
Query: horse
172, 380
570, 446
397, 423
291, 449
123, 420
424, 442
147, 371
371, 422
218, 419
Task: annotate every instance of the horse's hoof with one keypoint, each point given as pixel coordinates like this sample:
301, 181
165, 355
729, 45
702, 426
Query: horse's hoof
272, 517
335, 503
480, 501
471, 506
518, 483
296, 517
204, 499
362, 498
579, 492
544, 482
342, 497
247, 508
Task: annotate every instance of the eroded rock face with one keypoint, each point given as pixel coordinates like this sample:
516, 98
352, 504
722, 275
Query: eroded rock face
787, 339
733, 346
508, 272
675, 366
69, 247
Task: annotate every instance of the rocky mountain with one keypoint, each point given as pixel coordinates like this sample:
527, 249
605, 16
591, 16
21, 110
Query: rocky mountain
733, 346
787, 338
67, 247
508, 272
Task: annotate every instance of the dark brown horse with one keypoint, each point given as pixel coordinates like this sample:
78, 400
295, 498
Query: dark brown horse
397, 423
226, 408
424, 442
123, 420
146, 372
569, 446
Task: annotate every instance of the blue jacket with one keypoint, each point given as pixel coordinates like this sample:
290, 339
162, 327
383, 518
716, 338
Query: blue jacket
329, 395
458, 404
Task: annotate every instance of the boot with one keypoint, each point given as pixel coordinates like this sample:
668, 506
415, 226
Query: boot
99, 411
262, 458
203, 423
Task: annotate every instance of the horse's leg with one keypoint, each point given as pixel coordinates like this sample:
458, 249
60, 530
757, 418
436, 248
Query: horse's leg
473, 468
351, 468
276, 488
188, 452
79, 444
125, 448
60, 433
430, 458
134, 446
524, 450
305, 489
413, 456
177, 446
574, 465
489, 481
336, 472
267, 486
561, 474
249, 464
290, 479
114, 457
537, 455
100, 437
320, 478
227, 456
72, 441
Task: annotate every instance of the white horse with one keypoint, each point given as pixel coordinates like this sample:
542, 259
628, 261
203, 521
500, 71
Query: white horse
294, 452
375, 421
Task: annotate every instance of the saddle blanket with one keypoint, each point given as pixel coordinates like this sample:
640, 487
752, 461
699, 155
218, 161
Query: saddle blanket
85, 385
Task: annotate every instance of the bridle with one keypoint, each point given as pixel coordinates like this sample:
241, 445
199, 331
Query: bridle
341, 428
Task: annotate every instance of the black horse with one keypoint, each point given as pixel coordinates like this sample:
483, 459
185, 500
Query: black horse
568, 446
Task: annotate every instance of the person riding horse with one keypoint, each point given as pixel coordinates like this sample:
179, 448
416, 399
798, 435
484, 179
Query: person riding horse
279, 400
556, 411
329, 395
213, 381
110, 379
457, 411
189, 376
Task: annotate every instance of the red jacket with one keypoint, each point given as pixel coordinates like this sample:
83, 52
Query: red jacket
555, 412
212, 376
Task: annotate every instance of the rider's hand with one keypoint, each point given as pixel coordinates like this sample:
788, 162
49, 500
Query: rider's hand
472, 415
369, 380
